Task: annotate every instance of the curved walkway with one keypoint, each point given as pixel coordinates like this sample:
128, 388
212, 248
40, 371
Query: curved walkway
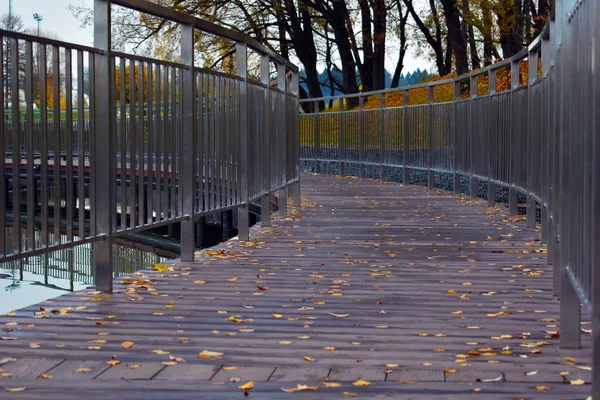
421, 293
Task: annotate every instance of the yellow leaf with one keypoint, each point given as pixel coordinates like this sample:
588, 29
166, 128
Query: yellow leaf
232, 279
299, 388
577, 382
391, 365
126, 344
339, 315
246, 386
162, 267
450, 370
169, 363
97, 341
331, 385
113, 362
46, 376
284, 342
83, 370
542, 387
229, 368
361, 383
307, 358
17, 389
133, 366
277, 316
207, 354
570, 360
199, 282
451, 291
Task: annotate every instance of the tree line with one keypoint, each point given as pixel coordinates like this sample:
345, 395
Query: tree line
347, 39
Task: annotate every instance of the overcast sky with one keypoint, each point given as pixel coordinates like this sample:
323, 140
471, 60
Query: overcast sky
58, 20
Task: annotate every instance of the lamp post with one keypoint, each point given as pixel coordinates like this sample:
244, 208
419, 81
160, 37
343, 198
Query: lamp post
39, 19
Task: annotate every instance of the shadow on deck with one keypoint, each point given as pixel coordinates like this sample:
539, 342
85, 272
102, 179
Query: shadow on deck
421, 293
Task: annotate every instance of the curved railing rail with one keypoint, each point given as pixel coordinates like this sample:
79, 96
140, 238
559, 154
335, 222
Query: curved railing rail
113, 143
534, 142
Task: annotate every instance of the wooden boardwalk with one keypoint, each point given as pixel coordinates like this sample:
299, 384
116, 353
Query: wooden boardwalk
421, 293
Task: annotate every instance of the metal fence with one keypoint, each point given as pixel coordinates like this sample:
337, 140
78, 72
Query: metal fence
522, 131
98, 144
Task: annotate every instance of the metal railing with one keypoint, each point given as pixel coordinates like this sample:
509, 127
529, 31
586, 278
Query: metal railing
523, 131
159, 142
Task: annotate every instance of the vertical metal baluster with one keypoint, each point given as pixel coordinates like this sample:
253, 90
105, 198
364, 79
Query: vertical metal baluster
341, 144
158, 132
430, 149
199, 132
265, 203
513, 194
218, 142
150, 147
228, 144
405, 144
168, 85
210, 149
283, 195
242, 71
69, 181
122, 137
491, 147
3, 134
207, 111
30, 170
57, 139
458, 148
317, 136
531, 170
16, 145
381, 137
133, 199
473, 125
175, 144
187, 175
92, 146
361, 135
142, 174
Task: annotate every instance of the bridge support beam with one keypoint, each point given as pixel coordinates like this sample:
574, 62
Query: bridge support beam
544, 221
456, 183
243, 222
265, 210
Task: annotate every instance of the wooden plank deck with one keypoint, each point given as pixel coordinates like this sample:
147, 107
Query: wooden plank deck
422, 293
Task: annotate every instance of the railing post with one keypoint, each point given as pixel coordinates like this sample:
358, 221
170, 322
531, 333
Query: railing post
456, 177
381, 136
361, 136
474, 184
265, 201
104, 145
532, 60
281, 84
512, 193
341, 144
317, 136
430, 99
187, 187
294, 90
241, 57
491, 184
405, 175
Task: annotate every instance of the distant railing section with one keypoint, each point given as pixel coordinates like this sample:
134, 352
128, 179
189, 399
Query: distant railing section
99, 144
534, 142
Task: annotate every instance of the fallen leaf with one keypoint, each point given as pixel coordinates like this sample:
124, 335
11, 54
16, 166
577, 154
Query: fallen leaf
169, 363
246, 386
542, 387
83, 370
113, 362
199, 282
277, 316
451, 291
361, 383
162, 267
530, 373
300, 388
577, 382
46, 376
339, 315
161, 352
127, 344
229, 368
307, 358
284, 342
133, 366
207, 354
331, 385
17, 389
